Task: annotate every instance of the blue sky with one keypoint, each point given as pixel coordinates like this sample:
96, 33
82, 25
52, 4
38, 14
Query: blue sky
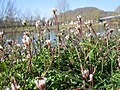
44, 7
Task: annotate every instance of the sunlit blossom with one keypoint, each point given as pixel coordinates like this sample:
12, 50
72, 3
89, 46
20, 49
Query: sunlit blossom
85, 73
14, 85
62, 30
18, 45
67, 37
89, 22
26, 41
7, 88
54, 10
79, 17
1, 48
1, 52
119, 62
105, 23
88, 35
98, 34
47, 22
1, 34
59, 34
27, 33
91, 77
40, 83
48, 42
37, 23
119, 30
24, 22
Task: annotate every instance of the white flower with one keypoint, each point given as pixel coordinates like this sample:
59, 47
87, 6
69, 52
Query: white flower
26, 41
26, 33
79, 16
48, 42
54, 10
38, 35
85, 73
40, 83
7, 88
62, 30
111, 30
119, 62
98, 34
67, 37
88, 35
119, 30
59, 34
1, 48
104, 22
91, 77
1, 34
89, 22
37, 22
18, 45
23, 22
14, 85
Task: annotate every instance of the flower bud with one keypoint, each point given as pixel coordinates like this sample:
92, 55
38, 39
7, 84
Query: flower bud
54, 10
1, 34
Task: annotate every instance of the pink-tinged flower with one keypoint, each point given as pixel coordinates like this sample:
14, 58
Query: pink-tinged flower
89, 22
41, 83
14, 85
79, 17
26, 41
91, 78
85, 73
78, 27
88, 35
105, 23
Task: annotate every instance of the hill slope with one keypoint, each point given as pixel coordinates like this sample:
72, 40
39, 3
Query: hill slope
86, 13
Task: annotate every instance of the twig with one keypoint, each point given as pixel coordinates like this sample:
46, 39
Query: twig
52, 60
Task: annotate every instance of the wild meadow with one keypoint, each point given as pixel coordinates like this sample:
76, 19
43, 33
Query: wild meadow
77, 60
